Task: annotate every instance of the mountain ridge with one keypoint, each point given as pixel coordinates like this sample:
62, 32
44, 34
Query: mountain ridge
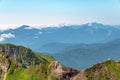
45, 69
28, 26
86, 29
50, 69
85, 55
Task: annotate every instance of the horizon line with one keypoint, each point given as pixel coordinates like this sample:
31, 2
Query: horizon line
39, 26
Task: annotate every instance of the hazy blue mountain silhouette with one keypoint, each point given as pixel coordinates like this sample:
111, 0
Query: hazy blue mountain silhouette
85, 55
71, 34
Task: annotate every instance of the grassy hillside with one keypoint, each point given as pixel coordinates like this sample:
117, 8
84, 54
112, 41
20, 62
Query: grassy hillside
108, 70
21, 63
39, 72
47, 68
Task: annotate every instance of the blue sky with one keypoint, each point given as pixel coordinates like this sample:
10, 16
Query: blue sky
47, 12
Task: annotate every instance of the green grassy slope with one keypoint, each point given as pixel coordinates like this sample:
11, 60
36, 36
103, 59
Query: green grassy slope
108, 70
39, 72
18, 70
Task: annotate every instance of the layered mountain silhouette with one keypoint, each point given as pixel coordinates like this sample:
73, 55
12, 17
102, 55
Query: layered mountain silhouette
95, 42
85, 55
68, 34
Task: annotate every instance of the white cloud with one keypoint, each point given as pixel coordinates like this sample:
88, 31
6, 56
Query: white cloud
31, 26
6, 36
8, 26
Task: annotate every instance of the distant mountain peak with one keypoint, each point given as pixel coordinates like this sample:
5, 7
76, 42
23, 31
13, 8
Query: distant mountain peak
24, 27
96, 25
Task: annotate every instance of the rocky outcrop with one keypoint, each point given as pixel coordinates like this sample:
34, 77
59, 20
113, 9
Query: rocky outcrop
20, 54
12, 50
21, 63
61, 72
108, 70
4, 64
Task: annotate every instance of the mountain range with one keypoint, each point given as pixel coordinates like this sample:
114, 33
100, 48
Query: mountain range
85, 55
68, 34
95, 42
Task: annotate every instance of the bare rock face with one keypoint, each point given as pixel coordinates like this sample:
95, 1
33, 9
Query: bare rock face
4, 64
61, 72
12, 50
80, 76
20, 54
